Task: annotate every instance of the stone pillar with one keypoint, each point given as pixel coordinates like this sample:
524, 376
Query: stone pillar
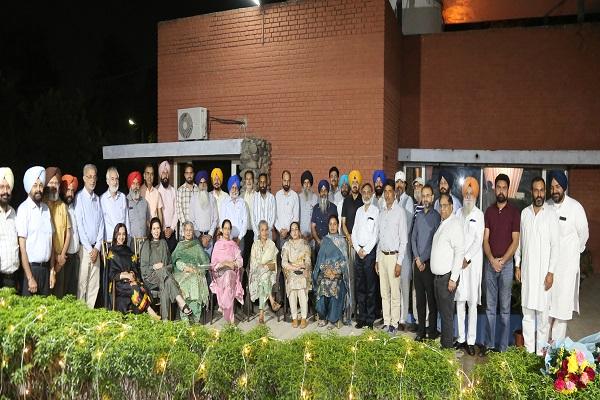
255, 156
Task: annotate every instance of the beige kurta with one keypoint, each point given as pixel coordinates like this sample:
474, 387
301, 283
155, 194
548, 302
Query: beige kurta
296, 252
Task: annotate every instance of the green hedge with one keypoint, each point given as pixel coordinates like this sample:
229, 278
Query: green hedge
516, 374
59, 349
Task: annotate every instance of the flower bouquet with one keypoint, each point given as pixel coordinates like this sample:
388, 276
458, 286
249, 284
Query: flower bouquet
571, 365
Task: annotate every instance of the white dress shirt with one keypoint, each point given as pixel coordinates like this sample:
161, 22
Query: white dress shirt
74, 243
288, 209
364, 232
248, 196
9, 242
90, 220
114, 209
34, 223
235, 211
392, 233
447, 248
219, 197
263, 209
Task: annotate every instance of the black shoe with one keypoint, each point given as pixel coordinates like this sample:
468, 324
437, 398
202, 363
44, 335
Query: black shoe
471, 350
419, 338
401, 327
459, 345
369, 326
412, 327
360, 325
483, 351
433, 336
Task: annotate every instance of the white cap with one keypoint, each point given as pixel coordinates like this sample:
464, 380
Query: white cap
400, 176
420, 180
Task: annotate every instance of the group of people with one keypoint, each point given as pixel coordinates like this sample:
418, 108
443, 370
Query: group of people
359, 248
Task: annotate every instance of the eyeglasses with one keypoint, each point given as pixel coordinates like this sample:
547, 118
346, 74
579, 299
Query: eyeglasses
447, 205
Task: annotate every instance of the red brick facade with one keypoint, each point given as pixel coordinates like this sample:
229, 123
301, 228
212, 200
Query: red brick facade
332, 82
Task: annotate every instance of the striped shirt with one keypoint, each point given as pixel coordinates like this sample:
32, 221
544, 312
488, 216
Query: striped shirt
263, 209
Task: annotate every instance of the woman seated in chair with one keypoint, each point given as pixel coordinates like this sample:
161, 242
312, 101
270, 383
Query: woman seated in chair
263, 271
295, 261
330, 277
124, 274
226, 272
191, 263
155, 262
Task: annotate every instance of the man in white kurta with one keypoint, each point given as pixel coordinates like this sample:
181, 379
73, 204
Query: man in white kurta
573, 236
536, 261
469, 288
406, 203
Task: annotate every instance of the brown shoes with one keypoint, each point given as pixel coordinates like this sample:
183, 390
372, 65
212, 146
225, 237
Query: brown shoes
303, 323
295, 323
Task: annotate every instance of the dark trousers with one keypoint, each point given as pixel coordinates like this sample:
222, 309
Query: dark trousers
248, 242
171, 242
70, 273
445, 301
366, 280
8, 280
41, 274
423, 282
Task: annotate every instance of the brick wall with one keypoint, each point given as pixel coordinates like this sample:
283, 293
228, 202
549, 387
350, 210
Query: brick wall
314, 80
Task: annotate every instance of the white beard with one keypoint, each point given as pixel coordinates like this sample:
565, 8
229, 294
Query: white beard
203, 198
306, 194
135, 195
468, 207
323, 205
113, 189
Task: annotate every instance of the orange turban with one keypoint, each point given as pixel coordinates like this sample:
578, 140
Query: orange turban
472, 182
355, 175
67, 180
133, 176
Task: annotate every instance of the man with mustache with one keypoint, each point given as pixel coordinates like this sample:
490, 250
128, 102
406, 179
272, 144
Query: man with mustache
247, 193
536, 261
418, 184
9, 241
203, 212
573, 235
406, 204
34, 228
335, 194
234, 209
184, 195
378, 181
168, 196
424, 227
344, 191
364, 241
469, 290
68, 190
307, 200
150, 193
62, 229
287, 208
138, 212
114, 204
216, 176
445, 186
90, 223
321, 213
263, 206
500, 241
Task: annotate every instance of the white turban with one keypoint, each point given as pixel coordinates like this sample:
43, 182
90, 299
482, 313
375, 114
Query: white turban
400, 176
32, 175
6, 173
164, 166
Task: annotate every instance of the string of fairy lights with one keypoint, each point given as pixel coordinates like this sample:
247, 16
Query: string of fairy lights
162, 362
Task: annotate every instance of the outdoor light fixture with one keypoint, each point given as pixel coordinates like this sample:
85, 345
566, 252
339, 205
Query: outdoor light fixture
257, 2
131, 122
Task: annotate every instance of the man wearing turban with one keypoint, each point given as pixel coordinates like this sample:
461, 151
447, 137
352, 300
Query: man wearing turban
378, 181
468, 291
234, 209
445, 186
321, 213
34, 228
169, 197
344, 192
203, 212
62, 229
68, 190
138, 212
216, 177
150, 193
184, 195
9, 242
308, 199
573, 234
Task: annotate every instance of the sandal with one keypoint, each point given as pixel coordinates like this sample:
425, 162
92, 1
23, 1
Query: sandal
322, 323
275, 306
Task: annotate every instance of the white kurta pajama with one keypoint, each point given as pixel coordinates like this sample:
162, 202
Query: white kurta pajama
469, 287
573, 236
537, 255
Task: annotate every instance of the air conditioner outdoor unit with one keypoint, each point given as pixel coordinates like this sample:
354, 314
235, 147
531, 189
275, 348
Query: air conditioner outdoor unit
192, 123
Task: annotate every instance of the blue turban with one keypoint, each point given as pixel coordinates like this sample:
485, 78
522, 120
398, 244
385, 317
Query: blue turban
233, 179
379, 173
32, 175
344, 180
560, 177
447, 176
323, 182
201, 175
